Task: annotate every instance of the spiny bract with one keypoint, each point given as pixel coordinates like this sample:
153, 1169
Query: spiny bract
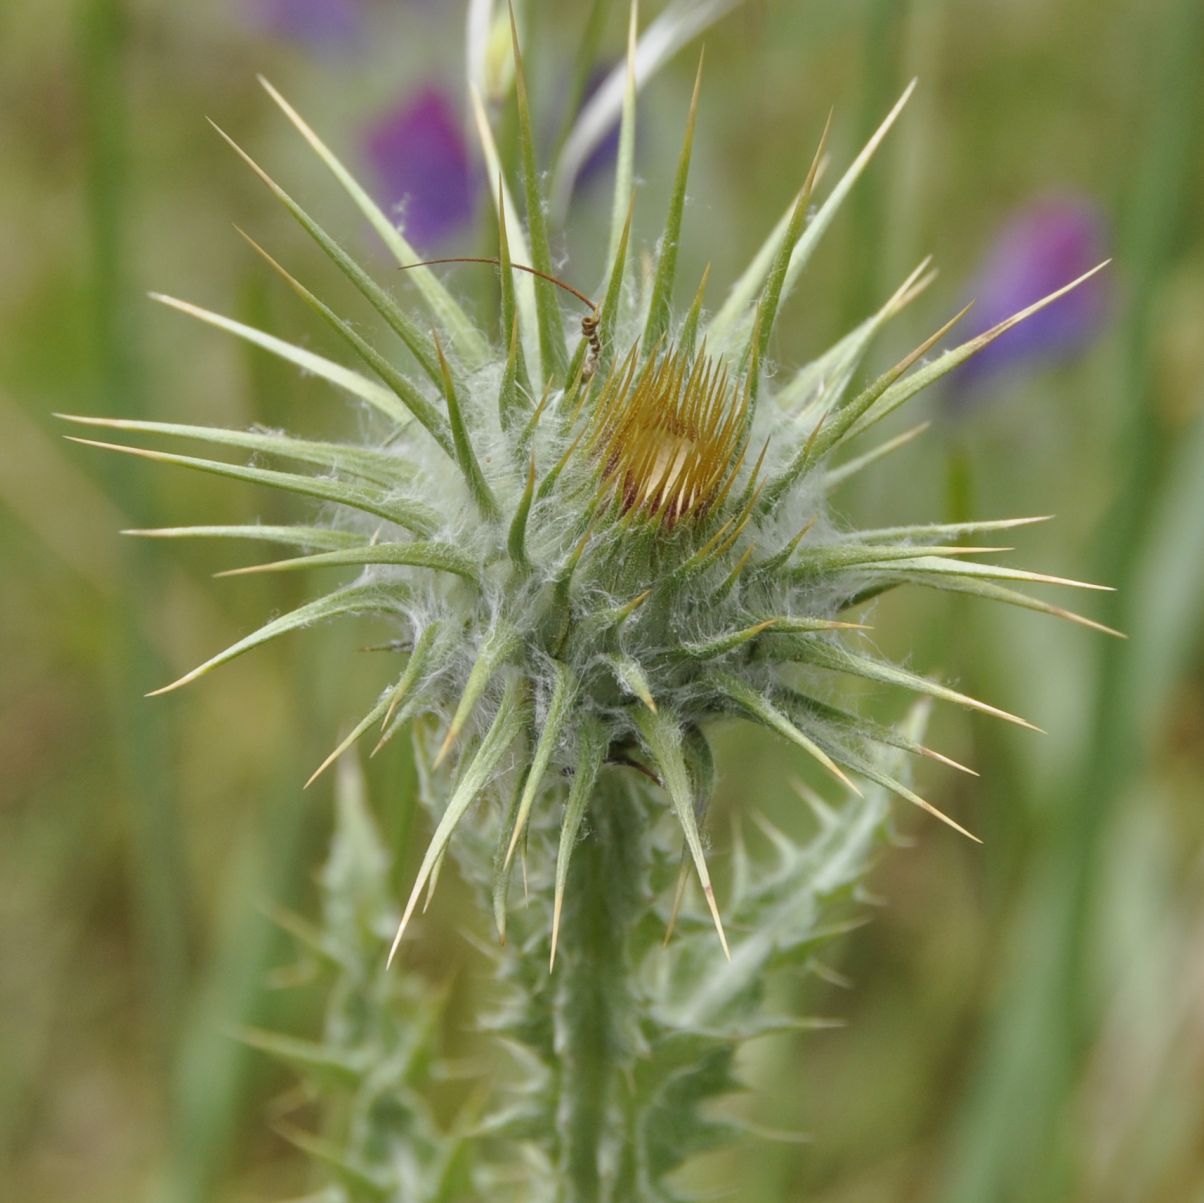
594, 546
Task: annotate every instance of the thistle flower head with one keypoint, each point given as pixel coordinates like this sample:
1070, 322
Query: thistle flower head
666, 435
594, 538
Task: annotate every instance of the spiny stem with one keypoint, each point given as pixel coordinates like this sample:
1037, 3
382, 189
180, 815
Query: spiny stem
594, 1001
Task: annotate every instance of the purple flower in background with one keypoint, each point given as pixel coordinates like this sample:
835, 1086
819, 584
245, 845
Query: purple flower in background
1042, 247
423, 166
322, 24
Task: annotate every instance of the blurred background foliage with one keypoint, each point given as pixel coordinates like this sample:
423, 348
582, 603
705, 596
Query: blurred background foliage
1026, 1019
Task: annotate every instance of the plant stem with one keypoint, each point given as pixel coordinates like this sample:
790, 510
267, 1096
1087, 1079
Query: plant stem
595, 1014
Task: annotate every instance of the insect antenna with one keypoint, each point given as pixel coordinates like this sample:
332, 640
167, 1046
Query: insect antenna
589, 323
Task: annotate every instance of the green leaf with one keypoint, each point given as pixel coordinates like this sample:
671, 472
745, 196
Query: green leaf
862, 728
818, 225
761, 709
609, 317
496, 650
395, 317
632, 678
837, 476
377, 466
564, 691
441, 556
379, 398
772, 295
659, 305
620, 212
733, 321
999, 593
509, 720
410, 514
330, 1065
837, 426
820, 386
552, 349
355, 599
837, 658
515, 373
940, 566
406, 391
867, 768
675, 26
466, 458
662, 737
294, 536
516, 542
719, 645
903, 390
469, 343
388, 701
689, 329
509, 405
524, 284
350, 1172
827, 560
945, 530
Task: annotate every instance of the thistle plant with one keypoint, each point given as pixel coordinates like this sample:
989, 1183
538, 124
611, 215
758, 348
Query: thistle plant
597, 526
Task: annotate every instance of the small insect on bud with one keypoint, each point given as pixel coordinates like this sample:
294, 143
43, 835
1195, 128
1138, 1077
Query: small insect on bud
589, 323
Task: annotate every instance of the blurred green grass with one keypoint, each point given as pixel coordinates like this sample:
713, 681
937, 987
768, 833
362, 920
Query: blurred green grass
1025, 1020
